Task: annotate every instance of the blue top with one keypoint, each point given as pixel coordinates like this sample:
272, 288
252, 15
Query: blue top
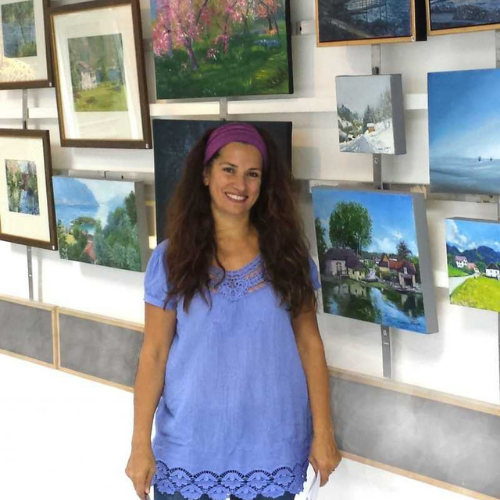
234, 416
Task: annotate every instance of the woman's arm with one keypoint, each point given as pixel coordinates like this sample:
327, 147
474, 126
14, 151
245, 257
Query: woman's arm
324, 452
159, 331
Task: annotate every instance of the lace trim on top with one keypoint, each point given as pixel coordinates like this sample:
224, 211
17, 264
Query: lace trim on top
220, 486
238, 283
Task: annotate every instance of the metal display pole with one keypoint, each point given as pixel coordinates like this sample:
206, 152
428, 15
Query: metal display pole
379, 184
29, 255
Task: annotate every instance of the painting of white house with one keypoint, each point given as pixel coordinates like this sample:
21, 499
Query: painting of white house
463, 131
370, 114
369, 257
473, 252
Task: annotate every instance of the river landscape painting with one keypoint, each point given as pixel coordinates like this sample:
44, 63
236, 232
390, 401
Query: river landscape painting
370, 111
97, 222
374, 265
350, 20
463, 131
473, 254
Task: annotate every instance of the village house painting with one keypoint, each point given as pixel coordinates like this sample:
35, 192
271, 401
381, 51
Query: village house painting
22, 187
97, 74
370, 261
97, 222
473, 254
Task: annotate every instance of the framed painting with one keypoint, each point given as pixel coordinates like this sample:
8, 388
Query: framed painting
370, 114
375, 266
101, 222
451, 16
25, 60
219, 48
364, 22
174, 139
463, 141
101, 81
473, 254
26, 200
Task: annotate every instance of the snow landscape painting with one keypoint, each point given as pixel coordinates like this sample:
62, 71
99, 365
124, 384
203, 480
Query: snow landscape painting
463, 15
363, 21
370, 114
375, 265
473, 252
463, 131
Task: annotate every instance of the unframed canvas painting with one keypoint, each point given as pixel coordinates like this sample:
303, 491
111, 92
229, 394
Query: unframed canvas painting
97, 74
369, 258
22, 187
463, 14
217, 48
473, 252
97, 222
348, 20
173, 139
370, 114
463, 131
18, 29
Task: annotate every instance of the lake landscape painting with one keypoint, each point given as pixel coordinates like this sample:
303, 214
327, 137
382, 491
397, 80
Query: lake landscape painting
97, 222
97, 73
374, 259
463, 15
22, 187
473, 254
18, 29
218, 48
463, 131
370, 113
341, 21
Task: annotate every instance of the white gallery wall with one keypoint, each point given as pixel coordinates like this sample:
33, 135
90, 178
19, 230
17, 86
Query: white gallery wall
462, 359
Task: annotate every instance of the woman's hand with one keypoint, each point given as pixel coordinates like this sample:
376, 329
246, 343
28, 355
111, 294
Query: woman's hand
141, 468
324, 455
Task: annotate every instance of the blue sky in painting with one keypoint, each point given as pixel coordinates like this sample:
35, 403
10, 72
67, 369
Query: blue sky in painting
392, 216
471, 234
464, 116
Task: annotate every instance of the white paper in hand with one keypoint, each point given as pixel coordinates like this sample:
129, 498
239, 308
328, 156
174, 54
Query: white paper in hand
313, 492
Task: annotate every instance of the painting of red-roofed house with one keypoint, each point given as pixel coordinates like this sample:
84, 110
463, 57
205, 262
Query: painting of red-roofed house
374, 257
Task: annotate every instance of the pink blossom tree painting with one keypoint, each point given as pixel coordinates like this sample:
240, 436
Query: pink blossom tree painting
216, 48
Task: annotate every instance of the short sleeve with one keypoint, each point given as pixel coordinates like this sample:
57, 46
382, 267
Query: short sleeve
156, 279
313, 271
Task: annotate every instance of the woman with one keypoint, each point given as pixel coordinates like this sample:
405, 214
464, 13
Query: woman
230, 302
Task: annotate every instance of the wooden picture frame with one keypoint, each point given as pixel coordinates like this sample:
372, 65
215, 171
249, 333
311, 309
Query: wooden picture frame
458, 29
18, 213
105, 106
413, 36
41, 64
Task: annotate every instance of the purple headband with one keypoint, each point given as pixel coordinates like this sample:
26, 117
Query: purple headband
235, 132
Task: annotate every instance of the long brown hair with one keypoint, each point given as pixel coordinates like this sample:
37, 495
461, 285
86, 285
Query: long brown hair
283, 245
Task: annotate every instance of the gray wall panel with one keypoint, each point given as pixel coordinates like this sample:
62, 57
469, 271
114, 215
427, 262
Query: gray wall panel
26, 330
449, 443
98, 349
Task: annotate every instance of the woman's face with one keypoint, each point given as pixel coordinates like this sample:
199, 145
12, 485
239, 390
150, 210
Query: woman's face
234, 179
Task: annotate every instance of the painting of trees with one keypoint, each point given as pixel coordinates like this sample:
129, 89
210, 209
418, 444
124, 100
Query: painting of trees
350, 226
199, 46
18, 27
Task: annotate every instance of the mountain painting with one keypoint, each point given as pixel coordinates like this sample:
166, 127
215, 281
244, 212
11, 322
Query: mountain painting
369, 20
18, 28
218, 48
22, 187
463, 138
370, 113
374, 264
463, 15
97, 222
473, 252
